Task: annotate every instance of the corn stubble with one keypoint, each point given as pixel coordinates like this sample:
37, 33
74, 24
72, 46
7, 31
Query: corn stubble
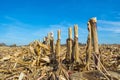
48, 61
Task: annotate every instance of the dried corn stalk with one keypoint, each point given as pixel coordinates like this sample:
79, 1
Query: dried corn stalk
58, 45
88, 47
75, 44
69, 45
93, 22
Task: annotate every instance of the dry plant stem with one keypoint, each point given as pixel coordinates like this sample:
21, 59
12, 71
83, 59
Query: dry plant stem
69, 49
88, 47
75, 49
94, 34
58, 48
70, 33
102, 67
52, 45
102, 72
41, 76
93, 22
69, 45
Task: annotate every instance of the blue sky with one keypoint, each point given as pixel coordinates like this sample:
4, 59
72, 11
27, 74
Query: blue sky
22, 21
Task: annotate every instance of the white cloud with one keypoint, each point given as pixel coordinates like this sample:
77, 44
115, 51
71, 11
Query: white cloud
14, 34
11, 18
112, 29
114, 23
22, 33
113, 26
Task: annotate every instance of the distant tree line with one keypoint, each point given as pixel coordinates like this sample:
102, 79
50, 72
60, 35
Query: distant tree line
3, 44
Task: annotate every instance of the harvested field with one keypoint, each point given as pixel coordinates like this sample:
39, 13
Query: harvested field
21, 62
48, 61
